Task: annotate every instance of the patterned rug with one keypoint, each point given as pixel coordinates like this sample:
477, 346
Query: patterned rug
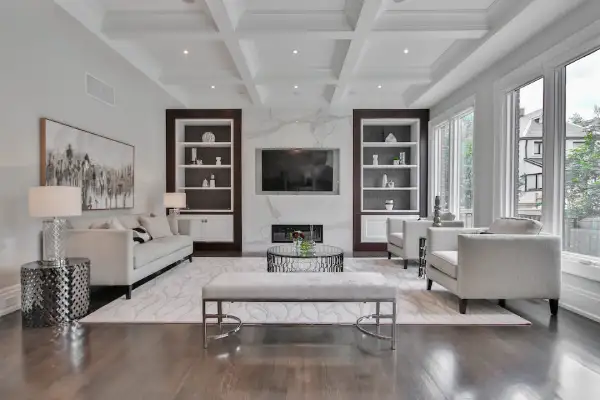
176, 297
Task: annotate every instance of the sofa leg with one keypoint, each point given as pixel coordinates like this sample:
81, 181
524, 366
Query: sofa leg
389, 255
502, 303
405, 264
129, 290
462, 306
553, 306
429, 284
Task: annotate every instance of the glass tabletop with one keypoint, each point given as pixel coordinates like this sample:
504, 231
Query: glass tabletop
290, 250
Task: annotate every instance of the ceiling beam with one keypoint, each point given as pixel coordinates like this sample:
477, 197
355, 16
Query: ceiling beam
365, 22
225, 25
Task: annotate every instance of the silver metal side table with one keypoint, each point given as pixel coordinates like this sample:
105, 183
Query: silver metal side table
55, 294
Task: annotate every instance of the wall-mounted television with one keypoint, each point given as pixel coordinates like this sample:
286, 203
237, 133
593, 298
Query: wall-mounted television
297, 171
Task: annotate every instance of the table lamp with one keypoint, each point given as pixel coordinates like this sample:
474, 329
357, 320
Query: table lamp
53, 203
175, 201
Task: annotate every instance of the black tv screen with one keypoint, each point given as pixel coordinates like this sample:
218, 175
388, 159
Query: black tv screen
298, 170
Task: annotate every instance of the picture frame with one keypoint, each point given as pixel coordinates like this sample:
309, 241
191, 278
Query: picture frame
103, 167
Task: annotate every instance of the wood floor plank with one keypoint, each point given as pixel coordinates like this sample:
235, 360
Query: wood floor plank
554, 358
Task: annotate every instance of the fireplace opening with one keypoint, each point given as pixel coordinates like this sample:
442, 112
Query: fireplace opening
283, 233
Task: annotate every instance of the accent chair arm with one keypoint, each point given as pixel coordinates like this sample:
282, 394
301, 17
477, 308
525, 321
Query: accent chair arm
446, 239
509, 266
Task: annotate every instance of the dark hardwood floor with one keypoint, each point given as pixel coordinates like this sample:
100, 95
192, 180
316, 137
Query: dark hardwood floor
554, 358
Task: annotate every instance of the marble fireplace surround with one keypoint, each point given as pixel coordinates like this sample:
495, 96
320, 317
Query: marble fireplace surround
287, 128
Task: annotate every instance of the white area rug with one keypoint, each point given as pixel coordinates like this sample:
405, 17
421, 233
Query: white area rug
176, 297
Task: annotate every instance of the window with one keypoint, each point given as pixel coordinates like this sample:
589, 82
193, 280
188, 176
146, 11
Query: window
442, 133
453, 165
528, 127
581, 208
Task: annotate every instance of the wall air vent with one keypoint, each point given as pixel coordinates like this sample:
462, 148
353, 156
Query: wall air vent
99, 90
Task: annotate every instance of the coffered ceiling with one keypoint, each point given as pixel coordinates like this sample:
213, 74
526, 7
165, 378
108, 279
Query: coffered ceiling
315, 53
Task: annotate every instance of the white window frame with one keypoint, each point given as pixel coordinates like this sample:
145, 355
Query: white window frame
451, 117
552, 66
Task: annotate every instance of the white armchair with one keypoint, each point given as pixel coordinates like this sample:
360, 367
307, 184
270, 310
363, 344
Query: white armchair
403, 236
495, 266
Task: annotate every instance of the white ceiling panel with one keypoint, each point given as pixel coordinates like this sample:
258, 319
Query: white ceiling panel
346, 49
152, 5
440, 5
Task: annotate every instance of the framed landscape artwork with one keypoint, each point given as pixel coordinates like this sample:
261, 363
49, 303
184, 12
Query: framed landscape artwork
102, 167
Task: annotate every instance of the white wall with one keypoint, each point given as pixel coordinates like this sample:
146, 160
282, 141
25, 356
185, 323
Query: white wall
44, 56
263, 128
482, 87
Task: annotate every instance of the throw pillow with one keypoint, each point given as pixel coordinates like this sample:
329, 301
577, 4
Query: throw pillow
141, 235
158, 227
99, 225
114, 223
515, 226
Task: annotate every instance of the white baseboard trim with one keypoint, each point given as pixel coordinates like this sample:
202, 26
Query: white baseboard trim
10, 299
581, 301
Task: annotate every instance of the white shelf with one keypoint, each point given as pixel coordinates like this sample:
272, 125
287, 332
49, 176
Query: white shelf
204, 144
203, 188
205, 166
392, 212
391, 145
389, 189
390, 166
202, 211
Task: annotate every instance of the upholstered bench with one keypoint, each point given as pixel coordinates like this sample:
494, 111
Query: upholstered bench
318, 287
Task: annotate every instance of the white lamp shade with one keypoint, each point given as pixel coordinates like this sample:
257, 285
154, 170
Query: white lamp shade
54, 201
175, 200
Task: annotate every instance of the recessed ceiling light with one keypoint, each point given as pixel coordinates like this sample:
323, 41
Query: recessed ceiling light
295, 86
295, 51
212, 86
379, 86
405, 51
186, 52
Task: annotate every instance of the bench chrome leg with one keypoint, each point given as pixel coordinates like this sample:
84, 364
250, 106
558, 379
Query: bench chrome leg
204, 323
220, 313
394, 325
378, 312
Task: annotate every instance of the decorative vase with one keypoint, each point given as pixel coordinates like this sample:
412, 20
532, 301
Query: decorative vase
375, 159
390, 138
389, 205
208, 137
204, 183
437, 219
396, 162
194, 156
212, 181
391, 184
218, 162
384, 180
402, 158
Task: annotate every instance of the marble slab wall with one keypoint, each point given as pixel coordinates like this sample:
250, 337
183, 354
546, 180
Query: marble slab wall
296, 129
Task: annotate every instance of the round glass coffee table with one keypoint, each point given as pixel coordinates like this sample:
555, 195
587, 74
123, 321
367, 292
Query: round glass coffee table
289, 258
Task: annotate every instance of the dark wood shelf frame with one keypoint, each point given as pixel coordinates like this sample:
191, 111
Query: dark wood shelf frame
360, 114
172, 116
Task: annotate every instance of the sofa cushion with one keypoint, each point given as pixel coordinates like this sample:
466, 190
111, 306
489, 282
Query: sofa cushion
445, 261
157, 226
129, 221
397, 239
515, 226
147, 252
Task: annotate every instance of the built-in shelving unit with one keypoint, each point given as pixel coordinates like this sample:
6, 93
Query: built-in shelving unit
401, 160
207, 168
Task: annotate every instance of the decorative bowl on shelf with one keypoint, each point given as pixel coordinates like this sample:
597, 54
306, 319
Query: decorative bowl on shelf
208, 137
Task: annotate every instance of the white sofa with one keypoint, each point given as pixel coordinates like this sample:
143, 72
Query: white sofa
403, 236
510, 261
115, 259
